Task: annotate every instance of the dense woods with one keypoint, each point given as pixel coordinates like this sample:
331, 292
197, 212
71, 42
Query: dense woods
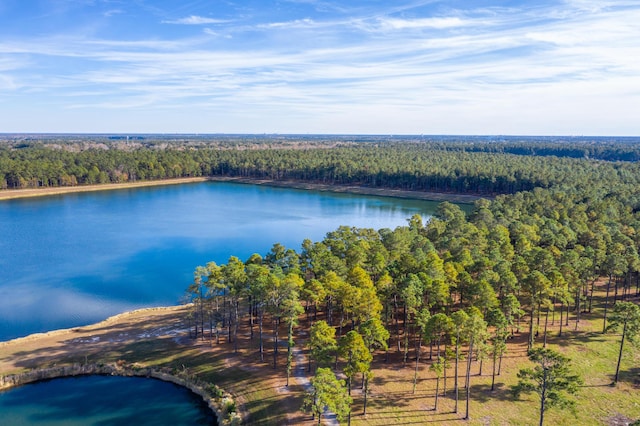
467, 165
454, 288
448, 292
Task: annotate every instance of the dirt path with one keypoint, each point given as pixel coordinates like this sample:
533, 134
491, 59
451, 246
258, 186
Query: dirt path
300, 374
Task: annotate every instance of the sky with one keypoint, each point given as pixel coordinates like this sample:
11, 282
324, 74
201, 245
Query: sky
532, 67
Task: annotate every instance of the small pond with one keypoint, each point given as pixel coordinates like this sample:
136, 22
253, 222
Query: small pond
103, 401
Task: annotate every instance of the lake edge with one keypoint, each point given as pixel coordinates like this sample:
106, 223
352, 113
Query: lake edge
12, 194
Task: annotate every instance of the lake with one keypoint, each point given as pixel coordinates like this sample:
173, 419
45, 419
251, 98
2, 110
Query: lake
75, 259
103, 401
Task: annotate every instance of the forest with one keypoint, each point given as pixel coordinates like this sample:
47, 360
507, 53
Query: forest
453, 289
560, 225
464, 165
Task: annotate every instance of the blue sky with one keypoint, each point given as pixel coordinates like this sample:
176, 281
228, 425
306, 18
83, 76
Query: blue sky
320, 66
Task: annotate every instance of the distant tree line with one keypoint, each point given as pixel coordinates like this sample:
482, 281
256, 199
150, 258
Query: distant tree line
460, 167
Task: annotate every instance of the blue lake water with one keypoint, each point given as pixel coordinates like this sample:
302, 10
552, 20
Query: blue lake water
103, 401
76, 259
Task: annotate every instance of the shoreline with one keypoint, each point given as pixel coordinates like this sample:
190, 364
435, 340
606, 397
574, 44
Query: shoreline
80, 328
216, 400
101, 347
12, 194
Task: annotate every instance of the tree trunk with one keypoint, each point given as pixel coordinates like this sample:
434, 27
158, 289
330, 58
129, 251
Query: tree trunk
468, 381
397, 321
455, 382
435, 406
546, 321
624, 332
260, 318
235, 328
275, 342
229, 323
211, 328
366, 394
202, 313
444, 372
493, 373
415, 373
289, 351
406, 341
543, 395
577, 308
606, 303
531, 336
561, 312
251, 307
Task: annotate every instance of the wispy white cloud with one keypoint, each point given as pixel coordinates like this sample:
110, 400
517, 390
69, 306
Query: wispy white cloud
437, 23
495, 68
298, 23
112, 12
195, 20
210, 32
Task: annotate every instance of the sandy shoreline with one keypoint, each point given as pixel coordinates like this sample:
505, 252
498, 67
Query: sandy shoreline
73, 344
9, 194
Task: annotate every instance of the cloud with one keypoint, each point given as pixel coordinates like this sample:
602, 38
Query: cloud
112, 12
210, 32
487, 62
298, 23
436, 23
196, 20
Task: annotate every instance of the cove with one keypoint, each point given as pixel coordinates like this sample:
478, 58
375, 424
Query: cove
103, 401
75, 259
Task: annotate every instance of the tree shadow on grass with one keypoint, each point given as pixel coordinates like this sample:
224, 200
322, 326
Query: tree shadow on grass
630, 376
483, 392
577, 337
407, 417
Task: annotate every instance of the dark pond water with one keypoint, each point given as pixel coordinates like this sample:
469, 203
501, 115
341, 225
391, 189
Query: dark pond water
103, 401
76, 259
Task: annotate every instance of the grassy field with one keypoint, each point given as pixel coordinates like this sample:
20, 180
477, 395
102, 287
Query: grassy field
159, 338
